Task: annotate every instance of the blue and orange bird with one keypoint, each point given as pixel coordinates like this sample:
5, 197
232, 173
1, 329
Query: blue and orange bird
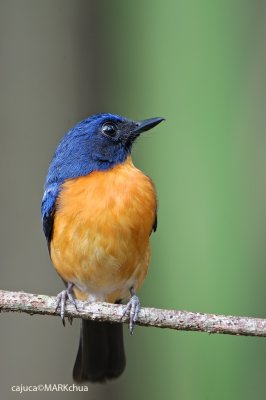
98, 212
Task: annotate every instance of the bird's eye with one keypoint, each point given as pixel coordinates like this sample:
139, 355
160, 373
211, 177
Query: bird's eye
109, 129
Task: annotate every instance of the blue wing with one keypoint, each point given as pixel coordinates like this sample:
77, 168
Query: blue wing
48, 210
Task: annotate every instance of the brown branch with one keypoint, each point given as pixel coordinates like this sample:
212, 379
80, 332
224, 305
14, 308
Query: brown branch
179, 320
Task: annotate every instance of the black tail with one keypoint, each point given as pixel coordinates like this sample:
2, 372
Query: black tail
101, 352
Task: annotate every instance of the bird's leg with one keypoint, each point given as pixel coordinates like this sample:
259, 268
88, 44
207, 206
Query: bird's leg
62, 298
132, 307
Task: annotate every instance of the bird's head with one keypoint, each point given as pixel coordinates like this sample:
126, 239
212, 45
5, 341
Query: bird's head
109, 137
96, 143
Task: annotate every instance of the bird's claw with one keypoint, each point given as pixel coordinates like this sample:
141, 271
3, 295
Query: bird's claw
61, 300
133, 308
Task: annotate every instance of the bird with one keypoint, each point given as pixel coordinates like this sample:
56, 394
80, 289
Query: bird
98, 212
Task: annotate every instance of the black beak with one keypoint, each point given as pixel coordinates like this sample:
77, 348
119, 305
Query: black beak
146, 124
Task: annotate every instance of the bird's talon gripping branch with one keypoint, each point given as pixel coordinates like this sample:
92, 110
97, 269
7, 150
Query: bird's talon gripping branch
132, 308
61, 300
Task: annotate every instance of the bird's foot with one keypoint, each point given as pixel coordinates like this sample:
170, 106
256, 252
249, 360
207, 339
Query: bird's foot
61, 300
132, 308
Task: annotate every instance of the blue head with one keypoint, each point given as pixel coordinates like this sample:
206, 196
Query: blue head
97, 143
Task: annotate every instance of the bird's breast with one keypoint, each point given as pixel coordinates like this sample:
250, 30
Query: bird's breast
102, 226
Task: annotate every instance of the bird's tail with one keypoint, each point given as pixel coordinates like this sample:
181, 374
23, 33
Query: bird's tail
101, 354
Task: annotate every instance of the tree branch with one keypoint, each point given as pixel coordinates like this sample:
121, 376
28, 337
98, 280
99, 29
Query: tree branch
172, 319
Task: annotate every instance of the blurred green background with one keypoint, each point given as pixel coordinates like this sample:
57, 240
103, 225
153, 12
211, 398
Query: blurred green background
201, 65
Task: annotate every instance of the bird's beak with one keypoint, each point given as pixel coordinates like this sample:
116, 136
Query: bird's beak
146, 124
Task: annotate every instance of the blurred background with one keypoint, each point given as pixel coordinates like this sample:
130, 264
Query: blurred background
201, 65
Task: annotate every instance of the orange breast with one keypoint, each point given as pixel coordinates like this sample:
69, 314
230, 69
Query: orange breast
101, 231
